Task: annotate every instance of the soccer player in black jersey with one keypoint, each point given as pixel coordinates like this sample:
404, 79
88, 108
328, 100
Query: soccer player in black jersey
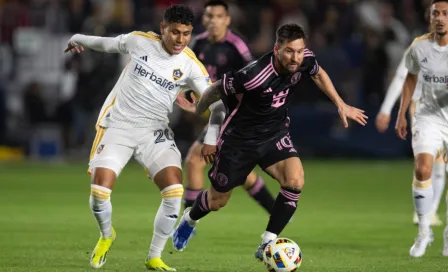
220, 50
255, 131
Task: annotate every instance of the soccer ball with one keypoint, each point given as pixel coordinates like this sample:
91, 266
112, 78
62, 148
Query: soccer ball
282, 255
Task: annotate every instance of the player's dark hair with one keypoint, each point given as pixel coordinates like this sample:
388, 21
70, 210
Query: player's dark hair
289, 32
214, 3
180, 14
438, 1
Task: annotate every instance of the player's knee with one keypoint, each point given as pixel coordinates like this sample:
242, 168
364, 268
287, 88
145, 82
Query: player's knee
296, 183
423, 172
193, 158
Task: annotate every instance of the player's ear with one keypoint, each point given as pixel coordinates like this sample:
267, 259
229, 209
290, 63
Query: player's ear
276, 47
228, 20
162, 26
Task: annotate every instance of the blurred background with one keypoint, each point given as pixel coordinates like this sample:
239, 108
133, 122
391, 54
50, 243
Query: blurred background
49, 101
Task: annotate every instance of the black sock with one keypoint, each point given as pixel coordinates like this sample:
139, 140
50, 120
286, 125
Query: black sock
261, 194
190, 196
200, 207
284, 208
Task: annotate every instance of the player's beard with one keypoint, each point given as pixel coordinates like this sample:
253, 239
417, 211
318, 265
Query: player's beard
441, 34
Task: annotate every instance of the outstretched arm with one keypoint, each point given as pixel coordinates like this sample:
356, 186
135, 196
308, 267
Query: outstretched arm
78, 42
210, 96
324, 83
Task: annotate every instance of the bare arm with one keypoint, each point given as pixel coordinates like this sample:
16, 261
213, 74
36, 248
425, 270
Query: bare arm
406, 96
324, 83
210, 96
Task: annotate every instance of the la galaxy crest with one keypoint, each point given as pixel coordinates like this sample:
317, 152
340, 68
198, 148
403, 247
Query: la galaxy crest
177, 74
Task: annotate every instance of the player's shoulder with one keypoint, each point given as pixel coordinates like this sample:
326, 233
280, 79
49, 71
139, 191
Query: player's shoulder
189, 57
236, 40
422, 41
150, 36
262, 65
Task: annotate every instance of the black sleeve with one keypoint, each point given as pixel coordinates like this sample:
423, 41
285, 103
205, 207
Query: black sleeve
310, 61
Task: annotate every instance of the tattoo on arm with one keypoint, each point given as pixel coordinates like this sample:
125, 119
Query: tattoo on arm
210, 96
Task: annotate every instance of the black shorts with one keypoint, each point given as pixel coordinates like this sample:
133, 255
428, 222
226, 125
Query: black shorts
233, 164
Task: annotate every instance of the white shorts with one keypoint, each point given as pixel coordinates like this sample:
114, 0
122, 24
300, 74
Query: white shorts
429, 137
153, 148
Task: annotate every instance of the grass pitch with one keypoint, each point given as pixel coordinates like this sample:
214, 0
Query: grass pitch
352, 216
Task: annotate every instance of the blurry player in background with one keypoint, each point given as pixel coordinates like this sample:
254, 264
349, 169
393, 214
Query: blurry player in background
382, 123
256, 131
134, 123
220, 50
427, 57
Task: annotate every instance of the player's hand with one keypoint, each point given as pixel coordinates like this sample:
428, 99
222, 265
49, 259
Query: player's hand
72, 47
382, 122
401, 127
346, 111
186, 105
208, 152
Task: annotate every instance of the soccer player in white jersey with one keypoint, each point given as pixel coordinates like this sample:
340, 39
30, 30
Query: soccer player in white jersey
382, 123
427, 56
134, 123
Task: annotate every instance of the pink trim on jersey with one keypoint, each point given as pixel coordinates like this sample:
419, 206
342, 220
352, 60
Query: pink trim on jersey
257, 76
262, 80
240, 45
224, 84
223, 127
201, 36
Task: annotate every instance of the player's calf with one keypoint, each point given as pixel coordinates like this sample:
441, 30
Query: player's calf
194, 168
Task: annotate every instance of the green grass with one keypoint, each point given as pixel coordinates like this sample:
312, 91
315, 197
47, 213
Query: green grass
352, 216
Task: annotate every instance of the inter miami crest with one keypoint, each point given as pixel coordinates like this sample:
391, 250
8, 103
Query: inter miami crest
296, 77
177, 74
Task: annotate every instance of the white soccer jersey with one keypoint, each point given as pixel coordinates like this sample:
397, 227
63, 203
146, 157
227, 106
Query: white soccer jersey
430, 61
150, 82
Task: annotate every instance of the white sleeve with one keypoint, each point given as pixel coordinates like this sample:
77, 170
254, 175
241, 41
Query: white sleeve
412, 63
395, 88
199, 79
217, 116
120, 44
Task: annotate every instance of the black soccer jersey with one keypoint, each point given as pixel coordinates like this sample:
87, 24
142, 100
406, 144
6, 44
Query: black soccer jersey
220, 57
257, 98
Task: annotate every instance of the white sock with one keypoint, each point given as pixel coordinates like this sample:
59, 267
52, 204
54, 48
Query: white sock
268, 236
102, 208
166, 218
438, 184
423, 198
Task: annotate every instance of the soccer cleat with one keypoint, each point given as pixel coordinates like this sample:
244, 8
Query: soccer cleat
183, 233
158, 265
423, 240
259, 251
445, 242
99, 254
